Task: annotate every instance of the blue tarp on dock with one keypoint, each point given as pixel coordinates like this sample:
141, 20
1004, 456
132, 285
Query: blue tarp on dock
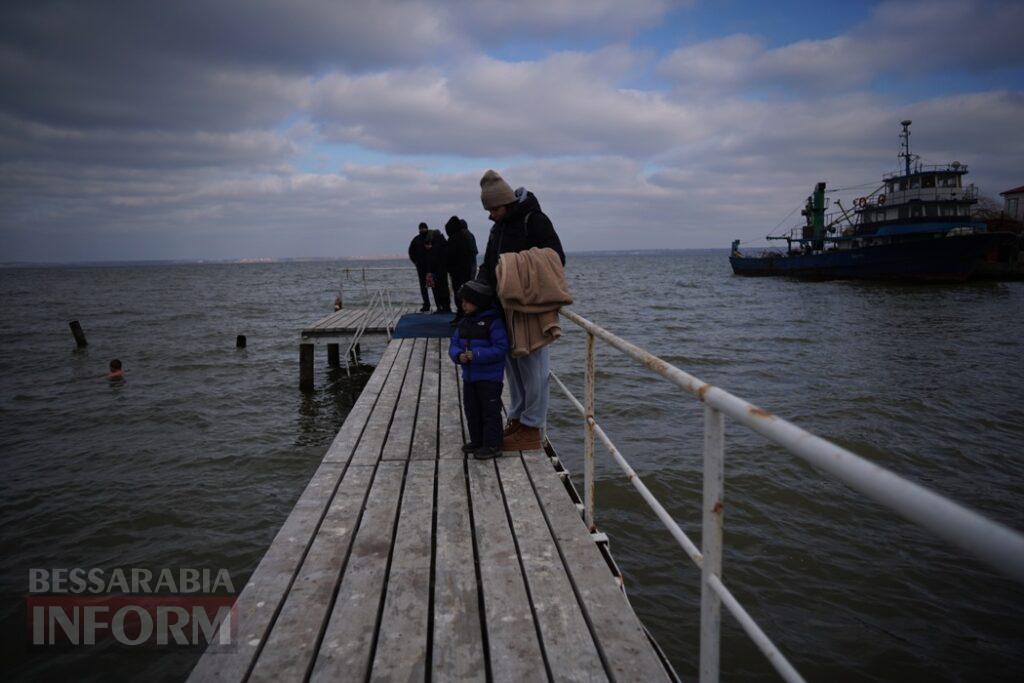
413, 325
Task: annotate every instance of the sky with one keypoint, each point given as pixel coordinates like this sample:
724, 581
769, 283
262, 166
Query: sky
224, 129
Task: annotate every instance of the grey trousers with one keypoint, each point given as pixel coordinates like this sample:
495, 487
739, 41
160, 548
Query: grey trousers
528, 387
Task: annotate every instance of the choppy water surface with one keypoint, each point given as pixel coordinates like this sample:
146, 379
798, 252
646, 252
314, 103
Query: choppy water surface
198, 457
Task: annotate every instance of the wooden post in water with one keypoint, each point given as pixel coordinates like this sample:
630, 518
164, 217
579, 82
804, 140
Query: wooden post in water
333, 355
76, 329
305, 367
240, 341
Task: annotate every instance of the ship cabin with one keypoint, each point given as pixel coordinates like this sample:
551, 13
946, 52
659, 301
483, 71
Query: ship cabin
927, 199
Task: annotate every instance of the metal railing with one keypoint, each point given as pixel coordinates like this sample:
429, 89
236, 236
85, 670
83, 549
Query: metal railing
358, 275
381, 299
996, 544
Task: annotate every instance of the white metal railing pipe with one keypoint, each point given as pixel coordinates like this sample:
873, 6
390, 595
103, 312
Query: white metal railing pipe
684, 541
754, 632
711, 542
771, 652
995, 543
588, 439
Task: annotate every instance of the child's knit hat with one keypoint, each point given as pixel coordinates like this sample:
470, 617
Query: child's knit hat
477, 292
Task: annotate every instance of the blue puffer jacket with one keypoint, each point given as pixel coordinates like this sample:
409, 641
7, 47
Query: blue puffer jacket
484, 335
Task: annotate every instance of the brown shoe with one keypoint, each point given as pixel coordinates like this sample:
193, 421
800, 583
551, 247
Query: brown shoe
512, 426
523, 439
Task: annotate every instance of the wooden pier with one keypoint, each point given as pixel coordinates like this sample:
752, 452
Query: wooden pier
348, 320
404, 560
344, 327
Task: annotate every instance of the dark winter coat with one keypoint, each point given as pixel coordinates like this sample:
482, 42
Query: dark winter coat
523, 228
461, 251
484, 334
435, 259
416, 250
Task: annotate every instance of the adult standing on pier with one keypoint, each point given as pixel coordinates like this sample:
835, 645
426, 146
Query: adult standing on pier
519, 225
435, 260
417, 254
461, 258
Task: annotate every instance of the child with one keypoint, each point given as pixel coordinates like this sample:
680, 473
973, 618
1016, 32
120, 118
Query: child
479, 345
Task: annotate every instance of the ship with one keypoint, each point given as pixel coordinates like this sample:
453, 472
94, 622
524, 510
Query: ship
916, 225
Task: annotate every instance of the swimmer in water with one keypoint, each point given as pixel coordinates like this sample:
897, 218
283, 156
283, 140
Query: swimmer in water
116, 372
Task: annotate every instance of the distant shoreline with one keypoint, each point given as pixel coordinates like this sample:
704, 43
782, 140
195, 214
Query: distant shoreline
311, 259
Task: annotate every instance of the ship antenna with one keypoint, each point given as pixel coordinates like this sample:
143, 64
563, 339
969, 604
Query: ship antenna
905, 138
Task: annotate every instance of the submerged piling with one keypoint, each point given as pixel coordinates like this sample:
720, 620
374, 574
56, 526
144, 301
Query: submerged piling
306, 367
240, 341
76, 329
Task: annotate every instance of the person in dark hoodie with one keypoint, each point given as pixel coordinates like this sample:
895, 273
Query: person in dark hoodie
417, 255
480, 344
519, 224
461, 258
435, 262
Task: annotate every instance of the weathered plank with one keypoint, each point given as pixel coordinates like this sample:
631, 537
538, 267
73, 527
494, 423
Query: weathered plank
266, 589
450, 427
424, 443
458, 653
514, 650
400, 434
380, 420
563, 627
289, 651
401, 653
614, 624
344, 443
347, 644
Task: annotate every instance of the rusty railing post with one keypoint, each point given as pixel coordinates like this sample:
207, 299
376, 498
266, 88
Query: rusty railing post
711, 543
588, 439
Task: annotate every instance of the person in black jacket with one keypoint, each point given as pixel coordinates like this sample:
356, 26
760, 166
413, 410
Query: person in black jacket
417, 254
435, 261
461, 258
519, 224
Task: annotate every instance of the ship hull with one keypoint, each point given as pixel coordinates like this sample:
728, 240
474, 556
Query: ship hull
944, 259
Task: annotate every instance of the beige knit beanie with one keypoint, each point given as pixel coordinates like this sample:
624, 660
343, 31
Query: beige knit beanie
494, 191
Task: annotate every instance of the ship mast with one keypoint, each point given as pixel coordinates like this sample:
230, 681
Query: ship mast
905, 147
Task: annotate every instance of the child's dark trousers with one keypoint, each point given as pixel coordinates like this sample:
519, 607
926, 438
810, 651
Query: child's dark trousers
482, 402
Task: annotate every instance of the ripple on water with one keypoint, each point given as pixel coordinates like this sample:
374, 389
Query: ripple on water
198, 458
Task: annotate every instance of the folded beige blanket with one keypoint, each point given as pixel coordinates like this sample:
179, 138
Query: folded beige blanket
532, 288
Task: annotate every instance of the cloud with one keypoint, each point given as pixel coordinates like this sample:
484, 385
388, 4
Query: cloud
900, 38
566, 104
187, 130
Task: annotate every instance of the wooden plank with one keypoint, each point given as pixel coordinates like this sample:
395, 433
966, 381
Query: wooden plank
450, 426
291, 646
401, 652
326, 319
266, 589
614, 625
348, 640
380, 419
399, 438
563, 627
344, 443
513, 648
333, 320
457, 651
264, 592
424, 443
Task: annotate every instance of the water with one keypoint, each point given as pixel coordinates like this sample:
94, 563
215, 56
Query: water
197, 458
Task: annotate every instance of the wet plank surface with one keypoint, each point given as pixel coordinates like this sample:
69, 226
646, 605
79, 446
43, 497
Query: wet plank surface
348, 320
404, 560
